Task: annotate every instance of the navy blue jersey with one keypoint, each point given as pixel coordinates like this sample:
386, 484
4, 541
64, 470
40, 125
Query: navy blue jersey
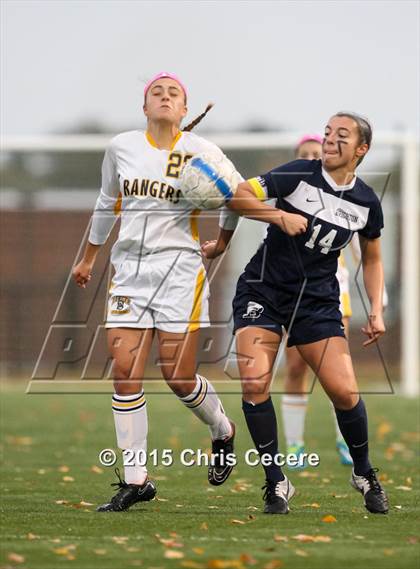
288, 266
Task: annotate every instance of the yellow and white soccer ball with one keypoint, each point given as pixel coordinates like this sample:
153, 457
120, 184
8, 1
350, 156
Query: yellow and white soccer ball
209, 180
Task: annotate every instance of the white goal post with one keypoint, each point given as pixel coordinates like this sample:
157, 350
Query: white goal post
410, 234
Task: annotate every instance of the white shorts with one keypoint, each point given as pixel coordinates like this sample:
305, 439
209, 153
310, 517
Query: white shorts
168, 291
343, 280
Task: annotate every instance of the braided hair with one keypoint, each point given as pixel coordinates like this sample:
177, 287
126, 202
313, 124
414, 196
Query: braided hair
195, 122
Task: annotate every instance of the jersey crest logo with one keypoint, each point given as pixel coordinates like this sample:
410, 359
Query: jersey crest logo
253, 310
120, 305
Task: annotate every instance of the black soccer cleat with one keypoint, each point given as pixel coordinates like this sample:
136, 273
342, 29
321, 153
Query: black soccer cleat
277, 496
220, 468
376, 500
128, 494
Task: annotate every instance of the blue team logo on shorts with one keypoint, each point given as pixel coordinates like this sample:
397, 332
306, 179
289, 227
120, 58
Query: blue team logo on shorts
253, 310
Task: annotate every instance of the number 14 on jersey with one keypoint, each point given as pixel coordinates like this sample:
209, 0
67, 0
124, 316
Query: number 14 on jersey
325, 243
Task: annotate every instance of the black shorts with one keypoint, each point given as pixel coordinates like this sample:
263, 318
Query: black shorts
304, 320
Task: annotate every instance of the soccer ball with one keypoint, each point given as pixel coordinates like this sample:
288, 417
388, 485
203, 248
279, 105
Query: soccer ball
208, 180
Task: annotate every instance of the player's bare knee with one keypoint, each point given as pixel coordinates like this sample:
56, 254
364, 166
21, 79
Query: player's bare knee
345, 400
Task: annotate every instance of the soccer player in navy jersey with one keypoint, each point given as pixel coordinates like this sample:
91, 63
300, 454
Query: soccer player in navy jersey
290, 282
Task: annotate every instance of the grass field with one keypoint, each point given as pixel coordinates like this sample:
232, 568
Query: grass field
51, 481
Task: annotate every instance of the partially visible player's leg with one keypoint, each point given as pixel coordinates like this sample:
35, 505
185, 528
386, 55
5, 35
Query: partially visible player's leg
256, 353
331, 361
342, 448
177, 356
295, 403
129, 348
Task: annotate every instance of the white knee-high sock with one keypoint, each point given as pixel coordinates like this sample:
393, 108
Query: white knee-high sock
130, 417
294, 412
206, 405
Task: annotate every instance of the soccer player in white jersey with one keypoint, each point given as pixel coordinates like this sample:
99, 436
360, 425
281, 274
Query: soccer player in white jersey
160, 286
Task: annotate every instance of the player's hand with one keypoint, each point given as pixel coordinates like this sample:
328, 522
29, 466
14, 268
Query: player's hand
82, 273
375, 328
293, 223
210, 250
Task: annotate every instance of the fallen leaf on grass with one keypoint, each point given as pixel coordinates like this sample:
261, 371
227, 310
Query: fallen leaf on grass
313, 505
398, 507
237, 522
63, 468
99, 551
247, 559
281, 538
96, 469
225, 564
161, 499
120, 539
359, 537
274, 564
31, 536
412, 540
383, 429
168, 542
307, 474
404, 488
389, 552
329, 519
20, 441
173, 554
251, 518
41, 471
68, 479
133, 549
252, 508
198, 550
304, 538
204, 526
16, 558
340, 496
62, 502
301, 553
191, 564
66, 551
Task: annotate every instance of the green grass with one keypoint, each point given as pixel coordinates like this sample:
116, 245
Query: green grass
44, 433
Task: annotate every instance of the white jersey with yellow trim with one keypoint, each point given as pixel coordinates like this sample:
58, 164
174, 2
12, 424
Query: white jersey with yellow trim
140, 183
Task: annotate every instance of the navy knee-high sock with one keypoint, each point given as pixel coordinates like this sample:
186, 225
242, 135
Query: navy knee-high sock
354, 428
262, 425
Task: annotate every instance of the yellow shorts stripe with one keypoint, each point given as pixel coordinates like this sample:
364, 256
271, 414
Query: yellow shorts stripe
345, 305
198, 297
194, 224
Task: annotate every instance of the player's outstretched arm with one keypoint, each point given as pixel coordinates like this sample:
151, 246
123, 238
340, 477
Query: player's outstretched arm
373, 276
246, 203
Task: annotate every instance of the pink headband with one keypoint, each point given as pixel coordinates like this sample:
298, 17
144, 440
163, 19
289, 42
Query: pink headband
309, 137
165, 75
